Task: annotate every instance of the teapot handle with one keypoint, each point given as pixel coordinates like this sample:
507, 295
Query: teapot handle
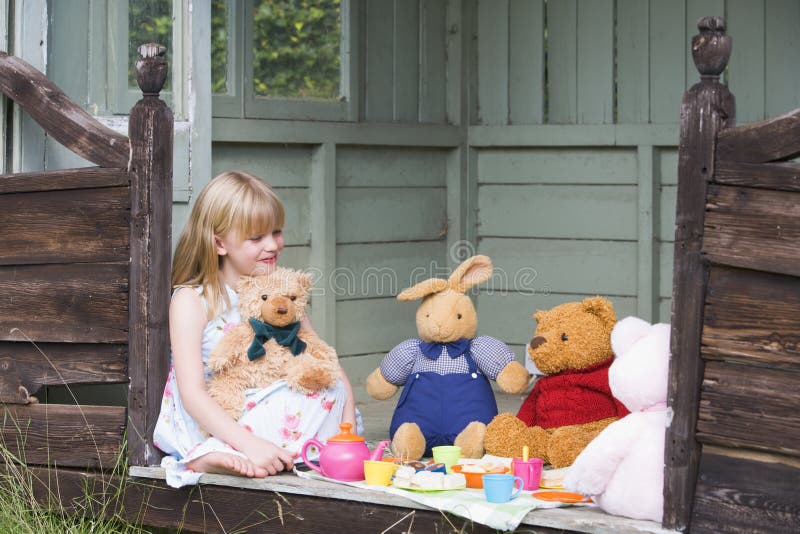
308, 462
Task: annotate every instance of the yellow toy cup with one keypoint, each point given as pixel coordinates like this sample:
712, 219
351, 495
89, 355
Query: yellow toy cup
446, 454
378, 473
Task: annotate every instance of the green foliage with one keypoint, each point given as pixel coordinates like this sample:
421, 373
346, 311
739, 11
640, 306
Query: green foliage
296, 48
219, 46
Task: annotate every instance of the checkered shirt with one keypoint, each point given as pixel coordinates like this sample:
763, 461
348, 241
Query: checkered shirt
491, 356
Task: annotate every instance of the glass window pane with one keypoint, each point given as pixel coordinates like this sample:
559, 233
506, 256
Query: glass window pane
219, 46
296, 48
149, 21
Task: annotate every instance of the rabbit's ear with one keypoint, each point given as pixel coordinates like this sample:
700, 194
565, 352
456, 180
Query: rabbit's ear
423, 289
472, 271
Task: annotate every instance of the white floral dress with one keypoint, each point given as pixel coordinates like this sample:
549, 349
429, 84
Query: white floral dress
275, 413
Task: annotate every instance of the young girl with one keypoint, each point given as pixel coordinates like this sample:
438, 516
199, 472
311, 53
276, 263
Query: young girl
234, 229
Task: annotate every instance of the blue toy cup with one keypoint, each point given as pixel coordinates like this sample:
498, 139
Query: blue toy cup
501, 488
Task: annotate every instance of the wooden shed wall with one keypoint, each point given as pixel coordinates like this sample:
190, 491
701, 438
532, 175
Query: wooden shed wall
542, 133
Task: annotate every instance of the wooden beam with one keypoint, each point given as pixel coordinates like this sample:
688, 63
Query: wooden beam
26, 367
84, 178
707, 108
72, 302
759, 142
75, 225
60, 117
741, 495
776, 176
753, 318
728, 414
151, 132
62, 435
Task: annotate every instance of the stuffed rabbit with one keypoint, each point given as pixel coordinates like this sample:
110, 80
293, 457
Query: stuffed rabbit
447, 398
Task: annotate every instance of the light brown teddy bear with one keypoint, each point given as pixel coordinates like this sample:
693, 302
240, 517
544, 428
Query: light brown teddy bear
447, 398
573, 403
270, 343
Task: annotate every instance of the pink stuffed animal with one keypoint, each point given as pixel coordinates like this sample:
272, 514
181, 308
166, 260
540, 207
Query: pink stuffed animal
623, 467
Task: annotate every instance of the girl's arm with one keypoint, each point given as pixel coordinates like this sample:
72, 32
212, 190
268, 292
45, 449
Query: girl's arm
187, 320
349, 413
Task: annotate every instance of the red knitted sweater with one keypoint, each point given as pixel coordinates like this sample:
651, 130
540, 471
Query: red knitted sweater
571, 398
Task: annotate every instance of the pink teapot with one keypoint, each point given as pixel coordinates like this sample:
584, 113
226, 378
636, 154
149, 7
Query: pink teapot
342, 458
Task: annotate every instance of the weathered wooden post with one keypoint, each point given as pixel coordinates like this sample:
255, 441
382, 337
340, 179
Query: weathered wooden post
706, 109
150, 130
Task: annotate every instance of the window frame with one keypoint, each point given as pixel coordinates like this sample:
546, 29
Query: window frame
240, 100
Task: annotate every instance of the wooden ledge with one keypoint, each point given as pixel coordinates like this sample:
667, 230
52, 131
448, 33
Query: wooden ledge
572, 519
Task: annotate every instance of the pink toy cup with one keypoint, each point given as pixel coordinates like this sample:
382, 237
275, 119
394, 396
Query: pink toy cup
530, 472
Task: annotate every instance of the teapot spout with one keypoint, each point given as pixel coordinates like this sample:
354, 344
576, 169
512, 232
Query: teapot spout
377, 454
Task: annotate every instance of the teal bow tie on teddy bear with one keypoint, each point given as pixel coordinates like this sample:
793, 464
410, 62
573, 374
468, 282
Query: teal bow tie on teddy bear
285, 336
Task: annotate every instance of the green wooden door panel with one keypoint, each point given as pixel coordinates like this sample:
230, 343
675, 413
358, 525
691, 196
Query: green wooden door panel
782, 45
297, 205
561, 266
406, 60
370, 214
745, 20
595, 62
509, 316
665, 310
278, 165
526, 62
296, 257
669, 195
668, 166
432, 77
390, 167
556, 211
492, 23
379, 98
558, 165
368, 326
633, 61
384, 269
666, 256
668, 49
562, 54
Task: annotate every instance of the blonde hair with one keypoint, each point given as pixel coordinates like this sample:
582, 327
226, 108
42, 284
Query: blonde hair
236, 202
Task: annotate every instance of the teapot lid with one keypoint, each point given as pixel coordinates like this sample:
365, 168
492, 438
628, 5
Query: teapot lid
345, 435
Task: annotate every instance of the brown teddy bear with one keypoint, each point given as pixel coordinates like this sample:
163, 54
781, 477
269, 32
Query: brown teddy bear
270, 343
572, 403
447, 398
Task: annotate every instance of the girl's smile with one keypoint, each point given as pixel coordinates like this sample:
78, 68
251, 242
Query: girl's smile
250, 256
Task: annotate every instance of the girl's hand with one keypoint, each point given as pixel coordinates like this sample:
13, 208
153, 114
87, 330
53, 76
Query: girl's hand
266, 454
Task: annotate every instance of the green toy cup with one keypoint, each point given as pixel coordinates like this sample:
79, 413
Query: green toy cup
446, 454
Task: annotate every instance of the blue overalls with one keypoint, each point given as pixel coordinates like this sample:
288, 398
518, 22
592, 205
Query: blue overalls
443, 405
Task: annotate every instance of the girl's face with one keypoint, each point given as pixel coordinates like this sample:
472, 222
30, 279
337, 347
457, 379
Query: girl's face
254, 255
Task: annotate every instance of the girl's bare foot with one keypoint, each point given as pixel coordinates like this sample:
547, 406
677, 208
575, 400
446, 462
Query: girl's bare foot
222, 463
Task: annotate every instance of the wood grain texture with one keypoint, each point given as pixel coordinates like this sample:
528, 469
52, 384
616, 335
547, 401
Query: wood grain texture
753, 228
753, 318
707, 108
72, 303
29, 366
85, 178
739, 495
776, 176
60, 117
729, 416
219, 509
76, 225
759, 142
65, 436
151, 132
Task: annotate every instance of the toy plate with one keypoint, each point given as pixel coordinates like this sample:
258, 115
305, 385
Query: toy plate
560, 496
425, 490
551, 487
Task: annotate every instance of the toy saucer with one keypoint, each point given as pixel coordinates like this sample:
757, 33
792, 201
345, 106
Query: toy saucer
560, 496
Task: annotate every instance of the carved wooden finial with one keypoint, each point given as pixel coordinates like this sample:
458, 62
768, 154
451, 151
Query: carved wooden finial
711, 49
151, 68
